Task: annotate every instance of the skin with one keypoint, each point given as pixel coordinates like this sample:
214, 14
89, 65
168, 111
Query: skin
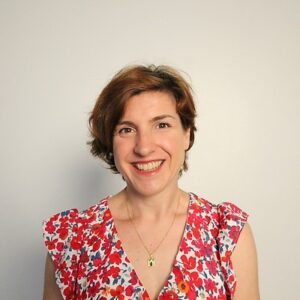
150, 131
244, 260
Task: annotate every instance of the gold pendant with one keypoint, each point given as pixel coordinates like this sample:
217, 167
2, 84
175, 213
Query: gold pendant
151, 261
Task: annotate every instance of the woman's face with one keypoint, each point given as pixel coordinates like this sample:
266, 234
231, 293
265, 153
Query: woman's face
149, 143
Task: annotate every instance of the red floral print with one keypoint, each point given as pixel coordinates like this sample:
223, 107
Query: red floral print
91, 263
118, 292
168, 295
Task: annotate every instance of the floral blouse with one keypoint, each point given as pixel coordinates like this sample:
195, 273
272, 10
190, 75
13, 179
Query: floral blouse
91, 263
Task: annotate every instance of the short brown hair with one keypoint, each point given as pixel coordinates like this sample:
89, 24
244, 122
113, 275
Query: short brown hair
127, 83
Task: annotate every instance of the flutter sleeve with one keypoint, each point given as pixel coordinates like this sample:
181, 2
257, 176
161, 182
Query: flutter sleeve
231, 222
63, 241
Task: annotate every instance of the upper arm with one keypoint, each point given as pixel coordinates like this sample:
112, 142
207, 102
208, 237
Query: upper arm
51, 290
244, 260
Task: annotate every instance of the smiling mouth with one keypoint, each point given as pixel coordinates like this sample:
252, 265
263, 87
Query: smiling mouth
149, 166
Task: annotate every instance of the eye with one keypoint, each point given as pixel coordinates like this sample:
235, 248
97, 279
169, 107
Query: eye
125, 131
163, 125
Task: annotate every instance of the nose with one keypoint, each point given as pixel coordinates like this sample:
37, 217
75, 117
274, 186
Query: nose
144, 144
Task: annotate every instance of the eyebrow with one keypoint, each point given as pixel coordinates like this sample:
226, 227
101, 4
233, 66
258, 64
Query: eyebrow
155, 119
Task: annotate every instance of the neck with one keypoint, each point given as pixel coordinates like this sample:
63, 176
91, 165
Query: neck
155, 206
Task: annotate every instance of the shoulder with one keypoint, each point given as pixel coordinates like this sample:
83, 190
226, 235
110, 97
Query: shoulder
236, 246
65, 235
222, 214
73, 216
225, 219
67, 228
231, 221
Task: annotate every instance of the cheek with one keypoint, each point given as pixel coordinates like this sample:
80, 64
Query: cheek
175, 145
117, 152
120, 150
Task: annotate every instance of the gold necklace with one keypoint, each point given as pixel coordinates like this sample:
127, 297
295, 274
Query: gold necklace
151, 259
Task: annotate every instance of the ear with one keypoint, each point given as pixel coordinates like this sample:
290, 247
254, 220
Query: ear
186, 139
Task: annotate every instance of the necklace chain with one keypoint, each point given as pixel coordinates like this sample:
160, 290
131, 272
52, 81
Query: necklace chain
151, 260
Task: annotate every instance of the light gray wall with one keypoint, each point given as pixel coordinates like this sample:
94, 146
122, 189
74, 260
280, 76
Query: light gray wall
243, 60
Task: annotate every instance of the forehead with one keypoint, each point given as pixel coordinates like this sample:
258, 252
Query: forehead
150, 104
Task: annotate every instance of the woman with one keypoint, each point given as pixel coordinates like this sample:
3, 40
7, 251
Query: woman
152, 240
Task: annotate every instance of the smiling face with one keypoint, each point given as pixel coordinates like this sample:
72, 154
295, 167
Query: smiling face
149, 143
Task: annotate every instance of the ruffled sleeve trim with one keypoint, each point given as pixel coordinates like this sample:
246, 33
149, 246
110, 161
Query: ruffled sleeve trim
231, 222
62, 235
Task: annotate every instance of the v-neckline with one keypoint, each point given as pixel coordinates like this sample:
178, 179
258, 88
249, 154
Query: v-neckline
116, 237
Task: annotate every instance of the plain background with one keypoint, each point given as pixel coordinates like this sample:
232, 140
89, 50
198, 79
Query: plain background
242, 58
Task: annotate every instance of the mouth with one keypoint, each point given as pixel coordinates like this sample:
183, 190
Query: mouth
148, 166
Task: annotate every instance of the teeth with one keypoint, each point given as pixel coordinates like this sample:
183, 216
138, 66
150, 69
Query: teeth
149, 166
